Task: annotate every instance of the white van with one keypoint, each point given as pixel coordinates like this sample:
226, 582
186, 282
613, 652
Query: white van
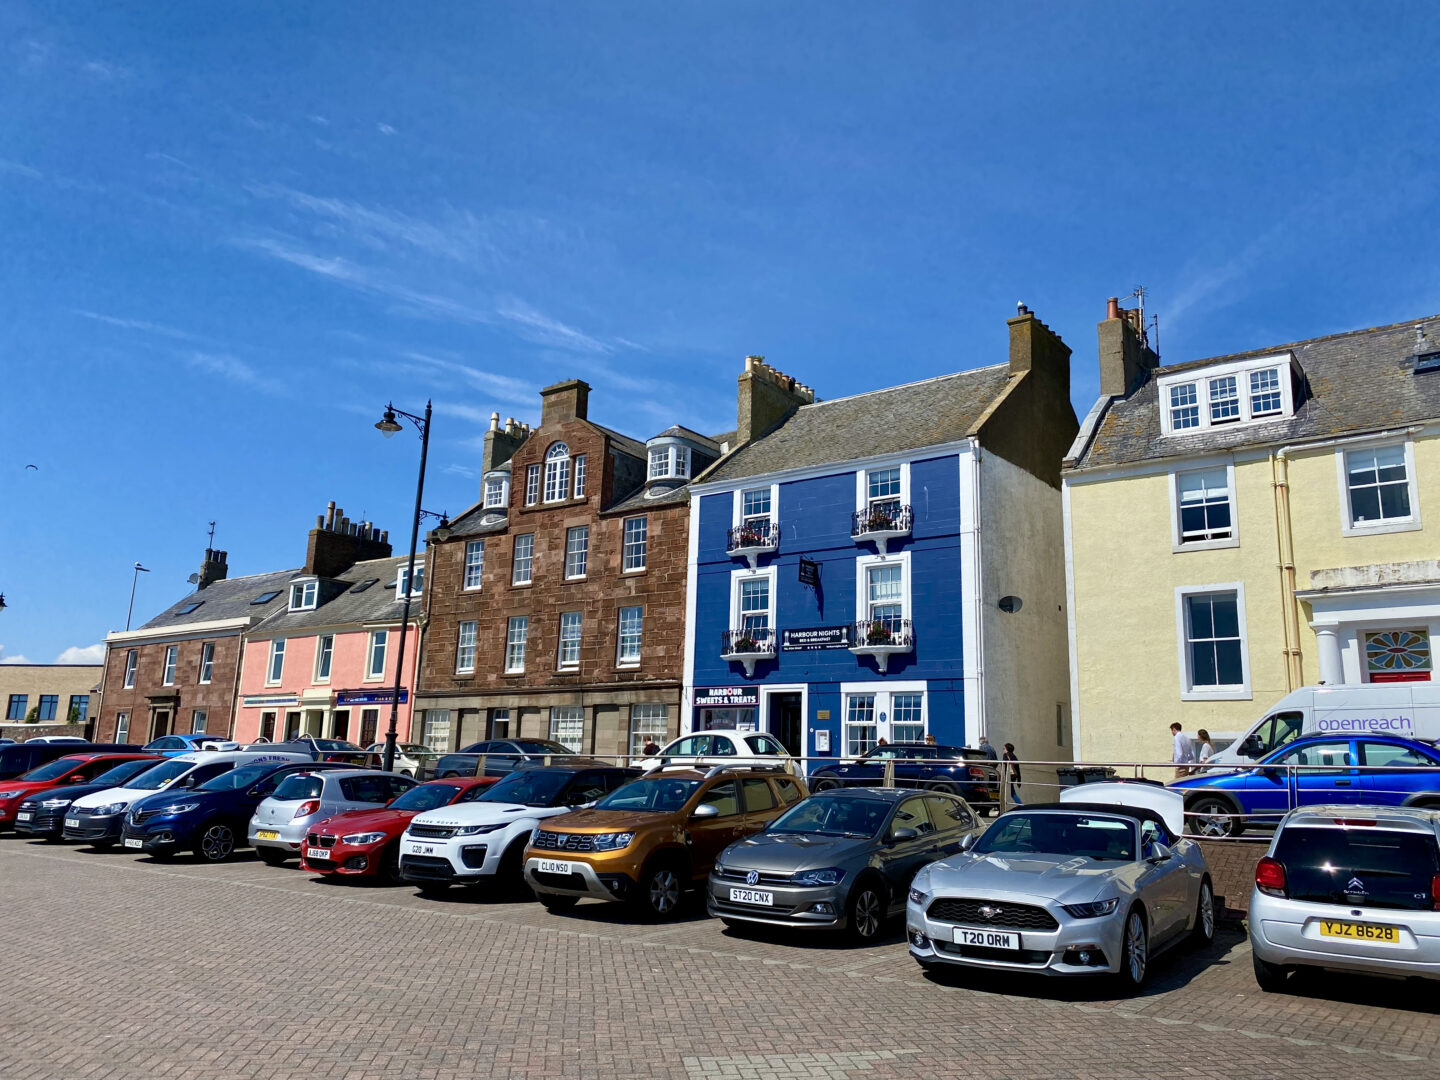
1410, 710
96, 819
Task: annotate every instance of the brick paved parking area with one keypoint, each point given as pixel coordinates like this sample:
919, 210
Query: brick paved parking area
120, 967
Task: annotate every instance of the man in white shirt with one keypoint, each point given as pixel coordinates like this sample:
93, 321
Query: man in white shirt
1184, 752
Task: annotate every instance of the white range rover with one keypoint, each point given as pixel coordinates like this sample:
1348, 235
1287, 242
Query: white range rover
483, 842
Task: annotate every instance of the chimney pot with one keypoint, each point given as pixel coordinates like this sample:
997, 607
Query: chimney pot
1112, 308
1021, 309
494, 421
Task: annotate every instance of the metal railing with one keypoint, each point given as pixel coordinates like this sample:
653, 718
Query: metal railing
881, 519
756, 641
759, 536
895, 634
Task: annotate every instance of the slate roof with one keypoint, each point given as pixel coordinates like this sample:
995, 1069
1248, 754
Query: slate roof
633, 447
889, 421
677, 431
636, 502
378, 603
228, 599
1355, 382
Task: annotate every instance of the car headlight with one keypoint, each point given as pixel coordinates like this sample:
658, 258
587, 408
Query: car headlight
108, 810
829, 876
612, 841
11, 793
1092, 910
360, 839
52, 804
477, 830
180, 808
918, 897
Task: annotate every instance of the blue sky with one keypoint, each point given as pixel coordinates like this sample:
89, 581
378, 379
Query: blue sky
232, 232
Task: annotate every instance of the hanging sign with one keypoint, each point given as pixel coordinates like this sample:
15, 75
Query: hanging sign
810, 573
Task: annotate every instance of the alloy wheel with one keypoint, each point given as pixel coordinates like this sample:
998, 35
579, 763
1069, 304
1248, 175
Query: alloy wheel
664, 891
217, 843
865, 918
1206, 922
1136, 949
1212, 818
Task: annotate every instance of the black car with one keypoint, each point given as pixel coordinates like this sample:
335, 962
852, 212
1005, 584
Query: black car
46, 809
502, 757
958, 770
22, 757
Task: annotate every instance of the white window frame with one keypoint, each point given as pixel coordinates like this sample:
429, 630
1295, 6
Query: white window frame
621, 659
1241, 371
308, 593
402, 574
669, 461
737, 510
494, 499
643, 545
517, 639
324, 651
569, 619
736, 577
862, 583
380, 638
1177, 541
207, 663
122, 726
532, 485
569, 718
198, 720
884, 694
467, 637
1188, 690
474, 548
557, 473
656, 725
275, 663
862, 484
1348, 526
578, 555
577, 470
132, 665
437, 730
515, 578
172, 661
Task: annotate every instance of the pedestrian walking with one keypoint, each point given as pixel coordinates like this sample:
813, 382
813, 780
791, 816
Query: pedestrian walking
987, 749
1205, 751
1183, 753
651, 748
1012, 766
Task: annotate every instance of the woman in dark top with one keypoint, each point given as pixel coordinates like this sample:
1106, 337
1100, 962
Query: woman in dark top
1012, 764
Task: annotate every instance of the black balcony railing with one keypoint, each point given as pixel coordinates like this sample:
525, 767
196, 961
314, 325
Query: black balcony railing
881, 519
757, 536
894, 635
753, 642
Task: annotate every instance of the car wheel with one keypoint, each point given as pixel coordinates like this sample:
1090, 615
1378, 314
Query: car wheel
661, 889
1204, 931
825, 784
272, 856
510, 876
390, 864
1135, 951
941, 786
407, 772
450, 776
1271, 978
1210, 817
217, 843
865, 912
556, 902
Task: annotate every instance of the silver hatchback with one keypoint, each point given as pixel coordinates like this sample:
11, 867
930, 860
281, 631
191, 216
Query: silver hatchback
1351, 888
281, 821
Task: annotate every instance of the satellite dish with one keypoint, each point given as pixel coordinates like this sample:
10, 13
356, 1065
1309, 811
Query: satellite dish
1010, 604
193, 579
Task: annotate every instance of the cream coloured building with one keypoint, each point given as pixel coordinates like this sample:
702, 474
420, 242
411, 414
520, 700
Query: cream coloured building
1240, 526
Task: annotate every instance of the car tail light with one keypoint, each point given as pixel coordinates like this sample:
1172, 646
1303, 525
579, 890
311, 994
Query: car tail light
977, 773
306, 808
1270, 876
1435, 892
1346, 821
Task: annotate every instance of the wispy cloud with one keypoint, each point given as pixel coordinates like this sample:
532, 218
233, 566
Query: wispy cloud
385, 129
544, 330
231, 368
460, 470
77, 654
15, 168
141, 325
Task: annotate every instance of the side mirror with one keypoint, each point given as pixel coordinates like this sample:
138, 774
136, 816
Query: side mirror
1251, 746
967, 841
1158, 853
189, 782
902, 834
706, 810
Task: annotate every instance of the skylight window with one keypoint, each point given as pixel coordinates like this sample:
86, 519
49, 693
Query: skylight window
365, 584
188, 608
266, 597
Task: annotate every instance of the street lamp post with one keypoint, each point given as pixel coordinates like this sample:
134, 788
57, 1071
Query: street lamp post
388, 426
134, 577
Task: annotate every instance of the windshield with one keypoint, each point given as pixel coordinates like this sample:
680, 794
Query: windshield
50, 771
332, 744
663, 795
120, 773
1049, 833
425, 797
529, 787
295, 788
1392, 869
162, 774
835, 815
541, 746
236, 779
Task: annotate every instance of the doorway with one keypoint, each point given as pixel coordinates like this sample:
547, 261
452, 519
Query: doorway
160, 725
785, 721
369, 721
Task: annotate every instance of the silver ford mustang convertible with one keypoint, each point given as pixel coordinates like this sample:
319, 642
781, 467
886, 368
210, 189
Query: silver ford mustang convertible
1095, 884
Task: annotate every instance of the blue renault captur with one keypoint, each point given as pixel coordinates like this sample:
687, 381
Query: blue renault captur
1360, 769
175, 745
209, 819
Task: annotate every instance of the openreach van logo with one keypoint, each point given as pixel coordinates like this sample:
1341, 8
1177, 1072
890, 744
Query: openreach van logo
1400, 725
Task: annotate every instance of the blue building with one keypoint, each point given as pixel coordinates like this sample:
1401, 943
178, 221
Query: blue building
890, 565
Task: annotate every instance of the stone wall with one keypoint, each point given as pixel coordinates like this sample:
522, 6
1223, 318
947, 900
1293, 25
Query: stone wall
24, 732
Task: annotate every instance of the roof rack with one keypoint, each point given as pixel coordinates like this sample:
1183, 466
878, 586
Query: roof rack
717, 770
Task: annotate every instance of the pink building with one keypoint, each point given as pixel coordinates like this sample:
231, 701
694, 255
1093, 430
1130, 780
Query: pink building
324, 662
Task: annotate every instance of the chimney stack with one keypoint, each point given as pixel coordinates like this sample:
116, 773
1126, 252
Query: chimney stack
565, 401
765, 398
500, 443
213, 568
1035, 347
1125, 356
336, 543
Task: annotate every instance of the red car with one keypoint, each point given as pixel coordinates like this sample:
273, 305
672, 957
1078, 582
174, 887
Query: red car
367, 842
62, 772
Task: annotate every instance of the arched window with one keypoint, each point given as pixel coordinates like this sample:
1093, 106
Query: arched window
557, 473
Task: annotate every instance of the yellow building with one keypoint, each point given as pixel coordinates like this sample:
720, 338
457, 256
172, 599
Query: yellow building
1241, 526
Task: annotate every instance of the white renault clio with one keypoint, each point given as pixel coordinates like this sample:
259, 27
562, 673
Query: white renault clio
484, 841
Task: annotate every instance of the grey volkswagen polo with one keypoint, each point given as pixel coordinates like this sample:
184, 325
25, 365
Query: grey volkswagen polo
842, 859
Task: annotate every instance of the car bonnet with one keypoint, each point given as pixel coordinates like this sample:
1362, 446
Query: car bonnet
793, 852
1065, 878
481, 813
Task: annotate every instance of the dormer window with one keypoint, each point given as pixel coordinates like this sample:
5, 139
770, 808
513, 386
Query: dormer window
303, 595
557, 473
669, 462
1231, 394
497, 491
403, 577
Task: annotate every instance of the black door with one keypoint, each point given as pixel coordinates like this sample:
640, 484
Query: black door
785, 722
369, 720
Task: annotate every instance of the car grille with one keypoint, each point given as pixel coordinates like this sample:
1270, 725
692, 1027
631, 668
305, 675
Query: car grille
473, 856
139, 817
317, 840
559, 841
742, 876
1003, 914
427, 866
432, 832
